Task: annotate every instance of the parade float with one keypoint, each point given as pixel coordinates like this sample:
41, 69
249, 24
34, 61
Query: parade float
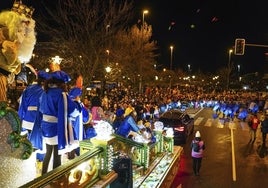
16, 166
17, 41
110, 160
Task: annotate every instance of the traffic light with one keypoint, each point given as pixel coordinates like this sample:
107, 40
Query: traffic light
239, 46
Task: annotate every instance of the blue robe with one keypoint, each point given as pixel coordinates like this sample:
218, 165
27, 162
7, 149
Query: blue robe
28, 105
79, 121
57, 108
126, 126
29, 114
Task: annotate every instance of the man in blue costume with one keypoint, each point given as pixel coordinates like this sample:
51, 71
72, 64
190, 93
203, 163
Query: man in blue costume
29, 104
57, 108
84, 115
30, 116
29, 110
128, 124
79, 121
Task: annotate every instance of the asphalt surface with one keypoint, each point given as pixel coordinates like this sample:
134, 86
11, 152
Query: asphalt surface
219, 168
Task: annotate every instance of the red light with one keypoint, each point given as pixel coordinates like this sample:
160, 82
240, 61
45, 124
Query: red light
180, 129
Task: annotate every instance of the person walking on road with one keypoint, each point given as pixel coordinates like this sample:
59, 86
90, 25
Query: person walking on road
253, 126
197, 150
264, 129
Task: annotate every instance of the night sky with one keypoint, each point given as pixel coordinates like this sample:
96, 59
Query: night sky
203, 31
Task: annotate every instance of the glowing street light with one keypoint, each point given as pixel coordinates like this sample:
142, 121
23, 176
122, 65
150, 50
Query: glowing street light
229, 67
107, 28
108, 57
143, 15
108, 52
171, 57
142, 47
108, 69
230, 54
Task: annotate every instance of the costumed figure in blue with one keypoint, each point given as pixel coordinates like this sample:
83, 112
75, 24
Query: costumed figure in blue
57, 108
129, 124
119, 118
147, 132
222, 109
163, 108
243, 114
228, 111
236, 107
29, 112
83, 118
216, 107
29, 104
255, 109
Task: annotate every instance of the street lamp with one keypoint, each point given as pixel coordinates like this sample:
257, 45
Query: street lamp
171, 57
108, 69
229, 67
143, 14
107, 28
108, 57
238, 68
230, 54
140, 65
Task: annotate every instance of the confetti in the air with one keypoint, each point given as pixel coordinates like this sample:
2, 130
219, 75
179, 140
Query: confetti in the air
171, 25
214, 19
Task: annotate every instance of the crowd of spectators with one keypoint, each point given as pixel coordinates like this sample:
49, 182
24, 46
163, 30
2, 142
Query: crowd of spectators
156, 100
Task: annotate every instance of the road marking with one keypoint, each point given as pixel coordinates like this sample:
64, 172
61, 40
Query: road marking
198, 121
220, 124
233, 156
231, 125
208, 122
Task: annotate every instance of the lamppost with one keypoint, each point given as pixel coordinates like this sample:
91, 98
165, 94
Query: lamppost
143, 15
140, 64
189, 68
108, 70
229, 68
171, 57
107, 28
108, 57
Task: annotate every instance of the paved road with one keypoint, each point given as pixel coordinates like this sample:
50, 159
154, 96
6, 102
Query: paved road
248, 171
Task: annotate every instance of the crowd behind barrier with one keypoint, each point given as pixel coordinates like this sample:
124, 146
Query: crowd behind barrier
156, 100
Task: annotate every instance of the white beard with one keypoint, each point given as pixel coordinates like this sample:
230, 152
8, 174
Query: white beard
26, 39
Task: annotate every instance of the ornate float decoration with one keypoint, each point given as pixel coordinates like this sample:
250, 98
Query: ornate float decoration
14, 139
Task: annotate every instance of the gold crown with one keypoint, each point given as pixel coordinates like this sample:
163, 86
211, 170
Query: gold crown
22, 9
